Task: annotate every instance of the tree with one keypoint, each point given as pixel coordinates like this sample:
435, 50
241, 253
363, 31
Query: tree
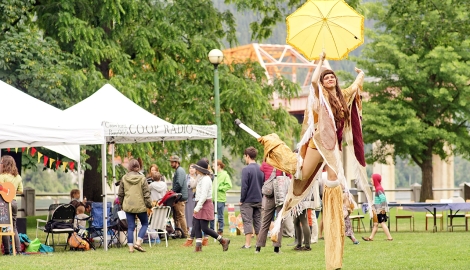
419, 99
155, 52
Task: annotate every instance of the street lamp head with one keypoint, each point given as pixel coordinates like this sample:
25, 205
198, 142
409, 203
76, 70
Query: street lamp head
216, 56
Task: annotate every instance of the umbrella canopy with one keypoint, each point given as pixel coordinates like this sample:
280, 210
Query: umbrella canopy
330, 25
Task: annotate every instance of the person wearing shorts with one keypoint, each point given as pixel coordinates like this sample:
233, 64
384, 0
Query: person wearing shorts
251, 196
381, 209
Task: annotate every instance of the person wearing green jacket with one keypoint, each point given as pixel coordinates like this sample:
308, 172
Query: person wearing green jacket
134, 197
224, 183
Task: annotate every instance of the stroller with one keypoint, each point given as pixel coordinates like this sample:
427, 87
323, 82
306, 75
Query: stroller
170, 199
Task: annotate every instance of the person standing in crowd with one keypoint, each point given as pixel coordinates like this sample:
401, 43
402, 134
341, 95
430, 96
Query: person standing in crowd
204, 210
191, 203
251, 196
348, 207
153, 169
379, 210
9, 174
313, 213
269, 208
158, 188
224, 183
179, 186
302, 229
134, 196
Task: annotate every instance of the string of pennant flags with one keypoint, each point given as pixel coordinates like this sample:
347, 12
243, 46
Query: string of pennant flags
47, 161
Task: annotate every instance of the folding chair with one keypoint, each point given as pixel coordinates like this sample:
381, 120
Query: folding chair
96, 220
118, 226
158, 222
410, 217
63, 215
360, 221
39, 221
439, 217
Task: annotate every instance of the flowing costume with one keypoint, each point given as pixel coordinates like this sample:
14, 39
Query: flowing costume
319, 131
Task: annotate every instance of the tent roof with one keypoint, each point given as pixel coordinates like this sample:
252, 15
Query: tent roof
126, 122
28, 121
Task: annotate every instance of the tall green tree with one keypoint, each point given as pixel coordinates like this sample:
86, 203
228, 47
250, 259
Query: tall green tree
419, 99
155, 53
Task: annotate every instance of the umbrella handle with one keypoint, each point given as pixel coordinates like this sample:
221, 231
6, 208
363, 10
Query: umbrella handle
247, 129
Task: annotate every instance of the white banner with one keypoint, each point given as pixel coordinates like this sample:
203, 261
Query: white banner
130, 133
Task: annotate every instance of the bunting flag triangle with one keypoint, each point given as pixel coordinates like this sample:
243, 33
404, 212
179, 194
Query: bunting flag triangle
57, 163
8, 149
64, 164
16, 150
46, 158
51, 160
71, 165
39, 157
33, 151
22, 149
27, 149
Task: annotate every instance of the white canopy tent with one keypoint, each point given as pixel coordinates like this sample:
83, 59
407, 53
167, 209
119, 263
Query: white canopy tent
28, 122
125, 122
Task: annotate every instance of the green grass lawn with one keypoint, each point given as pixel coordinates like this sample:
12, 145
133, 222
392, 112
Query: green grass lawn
409, 250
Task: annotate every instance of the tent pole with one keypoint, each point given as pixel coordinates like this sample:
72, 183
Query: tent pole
216, 224
80, 180
105, 208
114, 169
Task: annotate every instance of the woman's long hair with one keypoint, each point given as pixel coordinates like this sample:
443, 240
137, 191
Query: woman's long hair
9, 166
339, 105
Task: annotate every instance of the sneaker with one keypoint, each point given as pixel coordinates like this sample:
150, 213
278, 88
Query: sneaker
258, 249
356, 242
245, 247
306, 249
292, 244
298, 248
158, 241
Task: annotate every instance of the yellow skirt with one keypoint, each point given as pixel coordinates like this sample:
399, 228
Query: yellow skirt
333, 223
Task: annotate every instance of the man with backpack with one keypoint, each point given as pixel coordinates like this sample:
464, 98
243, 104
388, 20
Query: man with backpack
179, 186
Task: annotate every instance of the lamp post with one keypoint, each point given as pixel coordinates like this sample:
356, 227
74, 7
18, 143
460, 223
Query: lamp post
216, 57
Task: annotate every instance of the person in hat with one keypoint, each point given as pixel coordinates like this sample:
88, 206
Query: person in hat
179, 186
204, 210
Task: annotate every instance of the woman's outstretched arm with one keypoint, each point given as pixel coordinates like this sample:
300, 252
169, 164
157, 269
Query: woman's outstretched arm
317, 72
356, 86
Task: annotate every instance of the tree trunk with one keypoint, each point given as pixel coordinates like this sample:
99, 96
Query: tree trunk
92, 187
426, 185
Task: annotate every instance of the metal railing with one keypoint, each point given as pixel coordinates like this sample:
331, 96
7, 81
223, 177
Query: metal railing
233, 197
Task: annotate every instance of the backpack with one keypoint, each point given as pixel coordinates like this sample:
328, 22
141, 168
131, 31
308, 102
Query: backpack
76, 242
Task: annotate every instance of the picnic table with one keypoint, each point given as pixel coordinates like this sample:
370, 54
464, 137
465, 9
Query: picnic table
432, 208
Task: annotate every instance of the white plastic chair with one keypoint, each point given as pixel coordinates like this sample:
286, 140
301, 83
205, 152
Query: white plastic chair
158, 221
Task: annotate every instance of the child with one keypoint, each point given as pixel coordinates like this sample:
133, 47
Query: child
80, 218
348, 207
157, 188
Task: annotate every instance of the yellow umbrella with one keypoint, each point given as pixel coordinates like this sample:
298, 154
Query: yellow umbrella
330, 25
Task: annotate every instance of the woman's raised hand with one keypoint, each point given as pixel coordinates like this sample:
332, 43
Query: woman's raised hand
358, 70
322, 55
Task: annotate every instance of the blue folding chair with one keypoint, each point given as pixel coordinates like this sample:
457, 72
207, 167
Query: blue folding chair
96, 220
